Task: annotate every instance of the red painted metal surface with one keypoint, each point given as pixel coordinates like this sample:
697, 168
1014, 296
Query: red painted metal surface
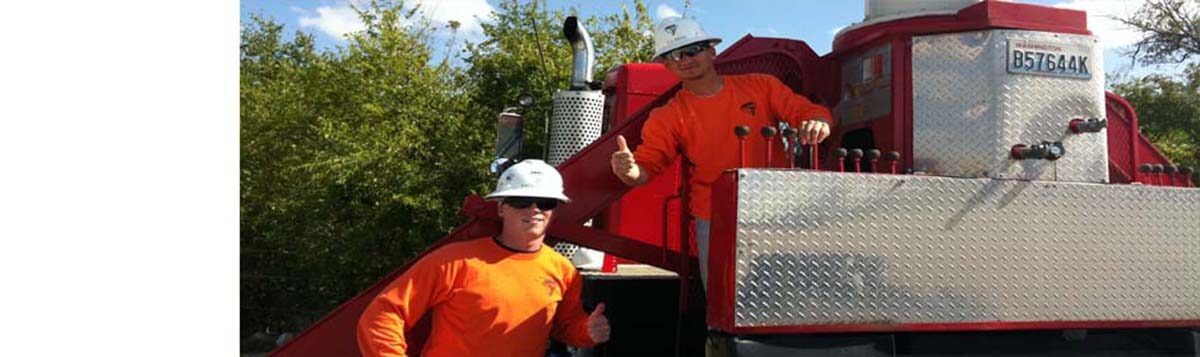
645, 212
722, 253
1127, 147
792, 61
984, 15
814, 157
633, 86
1122, 131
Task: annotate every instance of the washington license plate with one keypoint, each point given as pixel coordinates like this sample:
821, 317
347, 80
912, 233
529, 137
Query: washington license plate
1049, 59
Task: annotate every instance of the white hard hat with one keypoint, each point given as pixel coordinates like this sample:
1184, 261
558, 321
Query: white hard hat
676, 32
530, 178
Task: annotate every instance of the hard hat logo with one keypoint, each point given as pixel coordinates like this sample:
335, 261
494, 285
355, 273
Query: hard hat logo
676, 32
530, 178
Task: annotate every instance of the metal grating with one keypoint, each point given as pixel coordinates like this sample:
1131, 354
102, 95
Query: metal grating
819, 248
566, 249
576, 122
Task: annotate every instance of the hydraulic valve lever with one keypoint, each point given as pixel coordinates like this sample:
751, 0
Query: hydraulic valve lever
1044, 151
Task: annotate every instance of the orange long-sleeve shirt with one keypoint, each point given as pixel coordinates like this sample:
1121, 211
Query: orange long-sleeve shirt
485, 299
703, 128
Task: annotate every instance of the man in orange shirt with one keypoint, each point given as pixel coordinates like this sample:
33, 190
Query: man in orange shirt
493, 296
699, 121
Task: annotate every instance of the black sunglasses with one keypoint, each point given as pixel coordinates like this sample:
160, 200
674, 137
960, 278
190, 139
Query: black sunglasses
690, 50
544, 204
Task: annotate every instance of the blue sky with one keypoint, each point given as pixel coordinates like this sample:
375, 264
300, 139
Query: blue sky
812, 21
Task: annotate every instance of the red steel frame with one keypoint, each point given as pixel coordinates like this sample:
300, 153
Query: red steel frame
630, 88
1140, 149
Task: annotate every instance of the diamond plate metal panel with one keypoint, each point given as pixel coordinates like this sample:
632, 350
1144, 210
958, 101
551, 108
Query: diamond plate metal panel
819, 248
968, 111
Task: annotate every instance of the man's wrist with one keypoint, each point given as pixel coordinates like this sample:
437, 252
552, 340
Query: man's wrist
633, 177
629, 180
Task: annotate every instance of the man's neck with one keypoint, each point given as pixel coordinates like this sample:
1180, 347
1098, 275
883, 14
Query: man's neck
705, 86
520, 243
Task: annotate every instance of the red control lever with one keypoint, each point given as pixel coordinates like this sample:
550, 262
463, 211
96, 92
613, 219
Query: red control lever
768, 133
742, 132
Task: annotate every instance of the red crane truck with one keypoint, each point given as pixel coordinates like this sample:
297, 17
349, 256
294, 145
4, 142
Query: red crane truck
981, 194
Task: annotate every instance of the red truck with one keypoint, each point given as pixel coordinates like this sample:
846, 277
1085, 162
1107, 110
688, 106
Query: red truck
981, 194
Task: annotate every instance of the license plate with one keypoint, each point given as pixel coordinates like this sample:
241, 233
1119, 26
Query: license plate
1049, 59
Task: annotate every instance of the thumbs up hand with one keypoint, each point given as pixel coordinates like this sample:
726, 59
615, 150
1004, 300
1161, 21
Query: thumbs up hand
623, 165
597, 324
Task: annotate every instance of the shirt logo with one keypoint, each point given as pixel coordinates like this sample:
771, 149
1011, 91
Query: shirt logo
749, 108
551, 286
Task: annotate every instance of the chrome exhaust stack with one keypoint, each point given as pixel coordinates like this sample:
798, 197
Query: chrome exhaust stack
584, 55
575, 122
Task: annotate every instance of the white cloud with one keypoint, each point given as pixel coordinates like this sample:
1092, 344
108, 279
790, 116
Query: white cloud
1112, 33
664, 11
335, 21
467, 12
341, 19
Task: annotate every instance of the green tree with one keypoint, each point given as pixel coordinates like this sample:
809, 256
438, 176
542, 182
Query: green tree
352, 162
1170, 29
1168, 106
355, 159
526, 52
1169, 112
624, 38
